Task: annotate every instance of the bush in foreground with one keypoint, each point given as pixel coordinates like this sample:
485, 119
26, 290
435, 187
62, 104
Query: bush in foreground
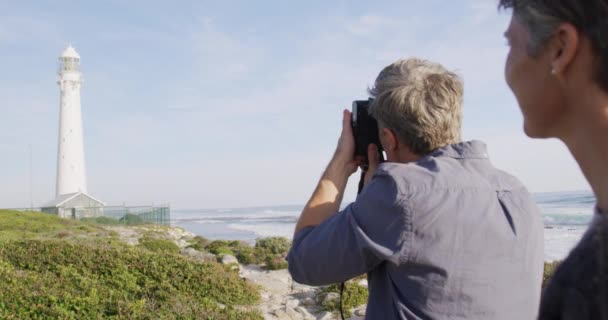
59, 279
158, 245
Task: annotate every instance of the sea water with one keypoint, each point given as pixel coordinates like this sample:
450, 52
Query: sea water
565, 214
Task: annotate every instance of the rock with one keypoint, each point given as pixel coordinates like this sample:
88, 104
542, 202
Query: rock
228, 259
197, 255
293, 314
276, 282
305, 314
281, 315
308, 301
360, 312
328, 297
292, 303
181, 243
301, 287
326, 316
265, 295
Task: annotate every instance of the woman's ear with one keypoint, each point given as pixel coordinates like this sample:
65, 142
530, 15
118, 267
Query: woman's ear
564, 48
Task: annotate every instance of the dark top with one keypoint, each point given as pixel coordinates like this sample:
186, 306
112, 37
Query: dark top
446, 237
579, 288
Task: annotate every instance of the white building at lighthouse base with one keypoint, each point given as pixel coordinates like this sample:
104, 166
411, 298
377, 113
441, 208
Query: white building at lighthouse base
74, 205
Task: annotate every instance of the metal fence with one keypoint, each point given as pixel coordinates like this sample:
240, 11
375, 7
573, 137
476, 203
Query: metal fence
127, 215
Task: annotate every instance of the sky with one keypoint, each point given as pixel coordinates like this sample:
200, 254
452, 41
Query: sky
213, 104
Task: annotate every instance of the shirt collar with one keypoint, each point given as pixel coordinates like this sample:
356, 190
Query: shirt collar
474, 149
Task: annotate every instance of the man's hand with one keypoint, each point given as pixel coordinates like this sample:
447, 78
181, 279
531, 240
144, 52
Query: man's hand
344, 156
374, 159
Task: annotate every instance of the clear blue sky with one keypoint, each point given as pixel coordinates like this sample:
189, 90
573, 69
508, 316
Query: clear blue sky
238, 103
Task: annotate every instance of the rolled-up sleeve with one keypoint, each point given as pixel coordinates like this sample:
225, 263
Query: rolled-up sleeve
373, 229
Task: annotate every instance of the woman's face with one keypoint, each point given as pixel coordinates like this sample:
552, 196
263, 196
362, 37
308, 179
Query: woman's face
531, 81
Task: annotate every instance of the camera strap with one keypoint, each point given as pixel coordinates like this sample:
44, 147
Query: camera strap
342, 284
361, 181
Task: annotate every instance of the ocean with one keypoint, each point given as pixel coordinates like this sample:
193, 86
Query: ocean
565, 214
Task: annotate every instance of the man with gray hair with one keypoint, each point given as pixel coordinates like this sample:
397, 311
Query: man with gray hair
439, 231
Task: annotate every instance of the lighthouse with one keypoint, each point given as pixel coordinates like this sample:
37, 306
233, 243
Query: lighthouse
71, 198
71, 174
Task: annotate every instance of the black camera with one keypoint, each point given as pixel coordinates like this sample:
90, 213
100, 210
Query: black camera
365, 129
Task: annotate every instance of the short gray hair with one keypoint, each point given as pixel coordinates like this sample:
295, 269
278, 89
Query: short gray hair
421, 101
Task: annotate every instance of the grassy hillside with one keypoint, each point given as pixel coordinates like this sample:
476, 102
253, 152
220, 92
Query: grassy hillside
54, 268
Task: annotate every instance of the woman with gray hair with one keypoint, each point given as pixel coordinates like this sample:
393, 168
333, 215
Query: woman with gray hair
557, 68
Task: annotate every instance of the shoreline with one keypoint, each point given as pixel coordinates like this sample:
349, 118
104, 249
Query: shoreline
559, 239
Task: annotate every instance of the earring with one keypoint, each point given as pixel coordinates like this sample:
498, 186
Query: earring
553, 71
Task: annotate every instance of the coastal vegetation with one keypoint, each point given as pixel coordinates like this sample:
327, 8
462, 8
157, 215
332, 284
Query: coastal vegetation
53, 268
269, 252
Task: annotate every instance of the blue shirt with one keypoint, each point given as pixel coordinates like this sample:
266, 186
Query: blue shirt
446, 237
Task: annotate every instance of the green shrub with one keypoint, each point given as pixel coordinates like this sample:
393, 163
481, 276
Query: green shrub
246, 255
58, 279
268, 251
275, 262
354, 296
272, 252
243, 252
199, 243
274, 245
549, 270
222, 251
158, 245
216, 244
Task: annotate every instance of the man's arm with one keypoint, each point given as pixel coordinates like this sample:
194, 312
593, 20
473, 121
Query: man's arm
325, 200
373, 229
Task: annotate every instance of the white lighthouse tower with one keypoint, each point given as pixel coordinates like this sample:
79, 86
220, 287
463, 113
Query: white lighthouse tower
71, 198
71, 175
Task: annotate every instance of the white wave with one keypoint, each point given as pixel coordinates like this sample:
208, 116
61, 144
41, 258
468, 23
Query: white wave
239, 215
576, 211
266, 229
560, 240
207, 221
